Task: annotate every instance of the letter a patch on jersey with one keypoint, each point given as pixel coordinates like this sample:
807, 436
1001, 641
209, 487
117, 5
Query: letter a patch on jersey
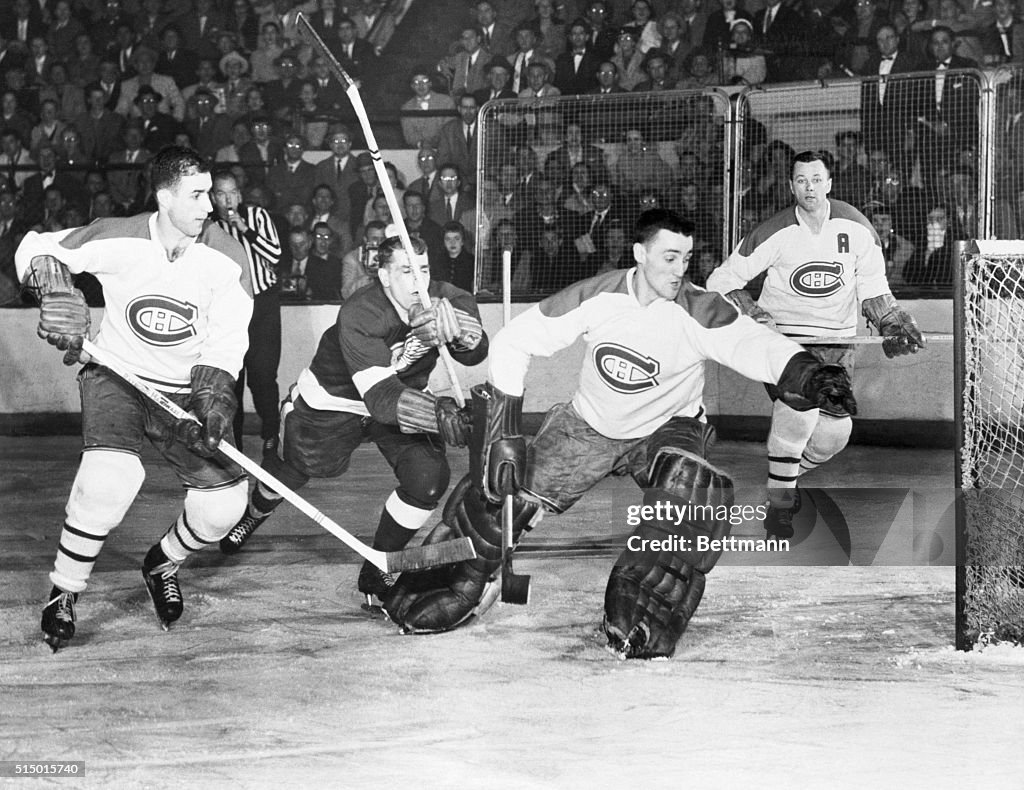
842, 242
160, 320
624, 370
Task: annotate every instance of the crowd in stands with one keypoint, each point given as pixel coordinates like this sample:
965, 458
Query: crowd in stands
91, 89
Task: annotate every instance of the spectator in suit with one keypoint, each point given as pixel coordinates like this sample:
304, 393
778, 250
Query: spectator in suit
459, 137
127, 182
427, 184
1002, 41
110, 82
11, 231
550, 28
573, 150
261, 153
171, 103
465, 70
24, 26
425, 229
851, 182
527, 49
781, 31
717, 32
375, 23
896, 250
361, 192
240, 135
496, 34
208, 131
601, 33
324, 204
14, 118
100, 129
304, 275
326, 247
14, 157
538, 81
640, 166
330, 96
69, 97
576, 68
175, 60
358, 266
656, 66
104, 25
628, 61
283, 93
420, 131
454, 203
237, 86
159, 128
64, 29
35, 186
149, 23
293, 179
9, 58
243, 23
499, 74
49, 127
122, 49
199, 28
356, 55
37, 66
339, 171
325, 19
885, 105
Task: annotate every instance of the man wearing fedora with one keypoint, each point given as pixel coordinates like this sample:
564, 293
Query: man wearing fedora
144, 60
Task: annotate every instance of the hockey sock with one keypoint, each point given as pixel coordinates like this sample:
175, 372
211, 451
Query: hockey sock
830, 436
398, 523
787, 438
263, 501
206, 518
76, 554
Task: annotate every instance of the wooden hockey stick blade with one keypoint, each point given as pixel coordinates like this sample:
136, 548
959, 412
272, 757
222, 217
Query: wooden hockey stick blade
864, 340
430, 555
385, 561
515, 589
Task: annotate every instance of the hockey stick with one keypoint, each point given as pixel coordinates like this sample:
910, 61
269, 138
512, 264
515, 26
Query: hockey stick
352, 91
409, 559
515, 588
864, 340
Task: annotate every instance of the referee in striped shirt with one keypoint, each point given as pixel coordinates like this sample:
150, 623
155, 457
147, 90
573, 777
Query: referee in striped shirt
253, 227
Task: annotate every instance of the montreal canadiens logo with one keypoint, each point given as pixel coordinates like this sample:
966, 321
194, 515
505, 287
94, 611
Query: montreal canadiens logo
817, 279
624, 370
160, 320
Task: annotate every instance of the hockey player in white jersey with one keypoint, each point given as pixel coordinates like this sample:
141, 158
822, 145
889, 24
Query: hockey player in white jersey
823, 262
639, 411
178, 302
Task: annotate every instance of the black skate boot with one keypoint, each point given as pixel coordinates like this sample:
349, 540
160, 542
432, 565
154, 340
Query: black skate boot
778, 521
241, 532
161, 577
59, 618
374, 583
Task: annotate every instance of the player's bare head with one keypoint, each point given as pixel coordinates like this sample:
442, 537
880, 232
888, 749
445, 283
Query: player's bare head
181, 183
662, 251
810, 180
396, 272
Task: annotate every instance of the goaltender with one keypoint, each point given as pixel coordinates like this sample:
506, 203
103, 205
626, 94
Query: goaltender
638, 410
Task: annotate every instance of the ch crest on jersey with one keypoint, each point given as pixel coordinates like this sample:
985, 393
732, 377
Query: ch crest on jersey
624, 370
161, 320
817, 279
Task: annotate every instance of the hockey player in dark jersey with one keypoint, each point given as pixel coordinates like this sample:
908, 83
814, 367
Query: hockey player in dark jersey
368, 380
639, 411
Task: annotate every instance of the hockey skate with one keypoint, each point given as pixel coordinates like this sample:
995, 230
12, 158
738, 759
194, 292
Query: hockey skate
778, 521
59, 618
241, 532
374, 583
161, 576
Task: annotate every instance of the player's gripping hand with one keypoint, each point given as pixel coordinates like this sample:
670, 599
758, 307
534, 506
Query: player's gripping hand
436, 325
213, 403
470, 331
746, 305
64, 322
454, 424
901, 334
829, 387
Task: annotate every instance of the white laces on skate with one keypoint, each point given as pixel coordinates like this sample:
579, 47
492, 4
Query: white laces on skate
65, 607
243, 528
168, 572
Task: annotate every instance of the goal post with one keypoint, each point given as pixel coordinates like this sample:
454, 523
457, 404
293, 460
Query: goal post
989, 463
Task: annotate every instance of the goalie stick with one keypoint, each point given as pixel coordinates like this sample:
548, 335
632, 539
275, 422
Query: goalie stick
306, 30
515, 588
415, 558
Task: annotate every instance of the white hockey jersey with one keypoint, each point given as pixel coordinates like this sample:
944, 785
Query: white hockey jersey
815, 282
643, 365
161, 317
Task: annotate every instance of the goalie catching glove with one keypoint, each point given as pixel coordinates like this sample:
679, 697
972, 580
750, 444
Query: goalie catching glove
64, 317
213, 402
807, 383
895, 324
658, 582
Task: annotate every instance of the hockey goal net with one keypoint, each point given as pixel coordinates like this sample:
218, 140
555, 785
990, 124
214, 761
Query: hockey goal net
990, 430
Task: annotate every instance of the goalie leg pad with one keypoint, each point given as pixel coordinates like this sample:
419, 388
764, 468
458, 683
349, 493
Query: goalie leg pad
646, 611
440, 599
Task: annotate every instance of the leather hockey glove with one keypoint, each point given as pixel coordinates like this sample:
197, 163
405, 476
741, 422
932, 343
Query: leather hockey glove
213, 402
745, 304
435, 326
895, 324
829, 387
497, 448
454, 424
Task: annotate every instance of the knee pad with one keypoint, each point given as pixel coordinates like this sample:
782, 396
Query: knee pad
790, 429
830, 436
210, 513
104, 488
422, 484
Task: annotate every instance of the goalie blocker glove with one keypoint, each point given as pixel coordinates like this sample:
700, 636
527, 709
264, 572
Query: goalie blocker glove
895, 324
497, 452
64, 317
421, 412
213, 402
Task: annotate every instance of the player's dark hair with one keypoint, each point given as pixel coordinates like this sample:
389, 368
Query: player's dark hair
392, 244
811, 156
171, 163
650, 222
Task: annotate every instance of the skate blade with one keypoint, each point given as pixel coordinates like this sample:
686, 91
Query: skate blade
371, 605
55, 643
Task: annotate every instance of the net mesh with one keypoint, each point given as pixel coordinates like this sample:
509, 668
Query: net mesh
992, 451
